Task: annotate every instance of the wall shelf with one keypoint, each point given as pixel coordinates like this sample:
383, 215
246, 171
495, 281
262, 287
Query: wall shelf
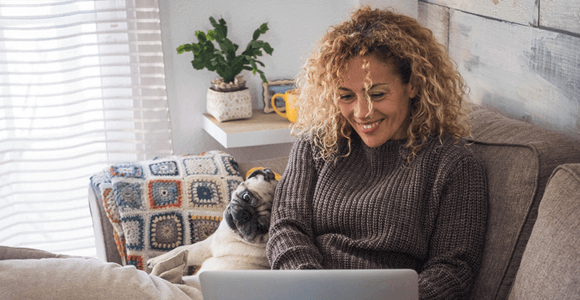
260, 129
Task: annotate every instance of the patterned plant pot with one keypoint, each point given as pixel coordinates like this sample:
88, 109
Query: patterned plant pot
225, 106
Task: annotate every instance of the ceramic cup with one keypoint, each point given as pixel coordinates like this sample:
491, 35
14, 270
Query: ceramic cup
290, 98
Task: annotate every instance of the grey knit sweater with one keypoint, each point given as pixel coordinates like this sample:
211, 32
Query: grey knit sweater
372, 210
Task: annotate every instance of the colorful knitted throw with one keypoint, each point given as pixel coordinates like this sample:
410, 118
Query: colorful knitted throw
157, 205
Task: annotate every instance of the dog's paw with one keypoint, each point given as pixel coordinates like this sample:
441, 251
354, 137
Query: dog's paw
151, 263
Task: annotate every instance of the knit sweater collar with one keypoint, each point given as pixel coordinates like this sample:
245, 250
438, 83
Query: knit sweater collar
389, 153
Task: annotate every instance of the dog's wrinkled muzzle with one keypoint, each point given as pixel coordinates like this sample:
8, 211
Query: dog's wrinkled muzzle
243, 215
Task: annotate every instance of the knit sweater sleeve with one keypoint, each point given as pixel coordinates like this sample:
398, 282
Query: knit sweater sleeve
456, 245
291, 243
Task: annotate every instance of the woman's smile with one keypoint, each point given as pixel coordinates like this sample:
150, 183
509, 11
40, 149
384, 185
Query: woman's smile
368, 128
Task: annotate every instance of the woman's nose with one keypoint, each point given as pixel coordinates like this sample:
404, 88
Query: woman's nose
361, 109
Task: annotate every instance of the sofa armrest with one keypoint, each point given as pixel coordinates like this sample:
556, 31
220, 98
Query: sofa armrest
104, 238
549, 268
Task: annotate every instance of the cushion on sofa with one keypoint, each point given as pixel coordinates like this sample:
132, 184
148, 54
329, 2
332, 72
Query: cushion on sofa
157, 205
7, 253
519, 158
550, 265
34, 274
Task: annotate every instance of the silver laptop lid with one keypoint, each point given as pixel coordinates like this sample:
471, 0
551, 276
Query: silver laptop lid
400, 284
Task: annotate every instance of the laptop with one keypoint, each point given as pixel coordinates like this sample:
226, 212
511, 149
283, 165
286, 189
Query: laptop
392, 284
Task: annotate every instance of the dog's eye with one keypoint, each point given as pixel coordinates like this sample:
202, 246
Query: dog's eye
246, 196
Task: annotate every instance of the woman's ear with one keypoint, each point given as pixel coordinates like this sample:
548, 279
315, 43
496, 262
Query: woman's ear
412, 91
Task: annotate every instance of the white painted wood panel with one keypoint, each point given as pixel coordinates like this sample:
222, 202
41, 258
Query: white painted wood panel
406, 7
528, 73
560, 14
517, 11
436, 18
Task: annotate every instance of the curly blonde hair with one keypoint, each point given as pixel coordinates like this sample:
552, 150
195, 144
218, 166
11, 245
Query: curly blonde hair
411, 49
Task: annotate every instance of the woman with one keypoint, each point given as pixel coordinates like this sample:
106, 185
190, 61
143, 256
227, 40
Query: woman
380, 177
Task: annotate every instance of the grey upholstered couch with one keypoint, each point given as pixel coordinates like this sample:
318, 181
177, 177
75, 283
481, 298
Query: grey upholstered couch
533, 238
532, 248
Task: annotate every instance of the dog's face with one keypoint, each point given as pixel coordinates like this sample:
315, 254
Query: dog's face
248, 213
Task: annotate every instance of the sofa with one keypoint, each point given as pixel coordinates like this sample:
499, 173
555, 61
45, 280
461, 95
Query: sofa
532, 246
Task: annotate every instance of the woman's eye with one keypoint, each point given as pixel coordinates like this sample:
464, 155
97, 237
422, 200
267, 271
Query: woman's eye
377, 96
346, 98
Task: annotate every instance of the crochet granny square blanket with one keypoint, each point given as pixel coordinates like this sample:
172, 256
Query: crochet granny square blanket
160, 204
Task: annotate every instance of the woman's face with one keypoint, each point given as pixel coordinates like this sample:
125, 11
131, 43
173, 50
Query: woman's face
390, 99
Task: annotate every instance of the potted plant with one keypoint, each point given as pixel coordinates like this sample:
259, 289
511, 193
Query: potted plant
227, 98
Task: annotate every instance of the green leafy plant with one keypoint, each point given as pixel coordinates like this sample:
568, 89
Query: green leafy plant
224, 60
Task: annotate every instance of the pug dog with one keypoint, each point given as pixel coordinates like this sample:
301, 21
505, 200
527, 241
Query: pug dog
239, 243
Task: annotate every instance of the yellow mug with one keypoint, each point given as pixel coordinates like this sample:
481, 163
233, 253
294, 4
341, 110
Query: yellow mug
290, 97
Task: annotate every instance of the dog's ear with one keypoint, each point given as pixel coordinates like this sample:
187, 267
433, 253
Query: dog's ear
267, 173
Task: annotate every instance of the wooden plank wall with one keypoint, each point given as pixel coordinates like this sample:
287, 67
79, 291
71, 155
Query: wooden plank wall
561, 14
520, 56
406, 7
516, 11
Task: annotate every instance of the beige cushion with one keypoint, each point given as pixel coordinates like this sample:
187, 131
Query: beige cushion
24, 276
7, 253
173, 268
519, 159
551, 262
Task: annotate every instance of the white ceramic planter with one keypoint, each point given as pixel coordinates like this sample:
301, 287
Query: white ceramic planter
226, 106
